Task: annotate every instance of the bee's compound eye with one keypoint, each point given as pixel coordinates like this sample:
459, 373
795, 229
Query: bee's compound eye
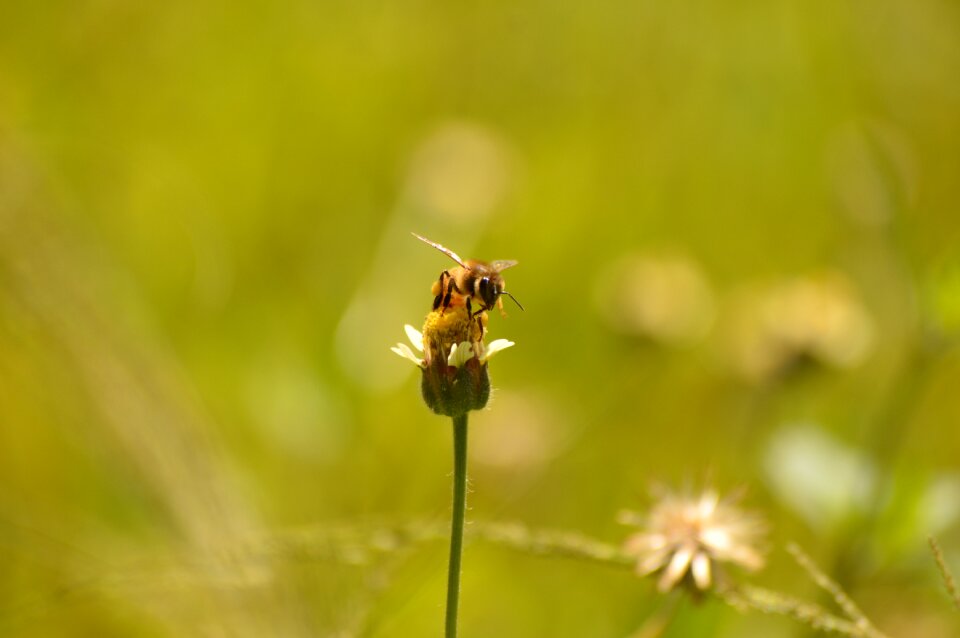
487, 291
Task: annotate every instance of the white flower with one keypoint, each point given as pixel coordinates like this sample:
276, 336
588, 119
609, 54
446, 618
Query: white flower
497, 345
684, 534
402, 349
460, 353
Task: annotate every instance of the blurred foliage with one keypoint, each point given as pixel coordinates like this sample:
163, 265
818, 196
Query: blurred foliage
205, 255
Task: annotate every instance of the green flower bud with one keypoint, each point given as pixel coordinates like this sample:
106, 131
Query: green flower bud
455, 373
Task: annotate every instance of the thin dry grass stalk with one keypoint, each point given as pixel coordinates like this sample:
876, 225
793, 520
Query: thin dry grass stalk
146, 418
749, 598
357, 544
853, 612
948, 582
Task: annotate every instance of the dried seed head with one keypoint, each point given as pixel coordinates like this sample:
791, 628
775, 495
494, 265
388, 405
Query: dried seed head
686, 538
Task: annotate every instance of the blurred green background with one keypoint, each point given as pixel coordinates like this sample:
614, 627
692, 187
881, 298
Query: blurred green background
737, 227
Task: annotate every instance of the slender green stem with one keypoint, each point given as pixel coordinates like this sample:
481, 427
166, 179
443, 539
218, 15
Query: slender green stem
456, 527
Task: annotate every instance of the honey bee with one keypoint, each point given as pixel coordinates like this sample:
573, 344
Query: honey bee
473, 280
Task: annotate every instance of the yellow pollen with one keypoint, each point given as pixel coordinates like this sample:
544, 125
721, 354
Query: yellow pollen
443, 328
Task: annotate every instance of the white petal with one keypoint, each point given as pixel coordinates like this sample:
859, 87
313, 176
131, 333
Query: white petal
404, 351
495, 346
415, 337
700, 568
708, 504
716, 538
460, 354
676, 569
645, 542
652, 562
453, 353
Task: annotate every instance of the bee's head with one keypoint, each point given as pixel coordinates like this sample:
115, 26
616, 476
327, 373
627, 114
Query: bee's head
489, 289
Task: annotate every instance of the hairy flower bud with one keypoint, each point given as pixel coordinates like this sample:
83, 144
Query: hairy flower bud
454, 364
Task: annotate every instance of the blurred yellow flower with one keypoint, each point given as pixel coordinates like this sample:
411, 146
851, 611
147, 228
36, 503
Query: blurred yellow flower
817, 317
663, 297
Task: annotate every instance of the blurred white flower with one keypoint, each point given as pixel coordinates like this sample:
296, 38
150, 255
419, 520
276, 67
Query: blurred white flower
821, 479
686, 534
940, 504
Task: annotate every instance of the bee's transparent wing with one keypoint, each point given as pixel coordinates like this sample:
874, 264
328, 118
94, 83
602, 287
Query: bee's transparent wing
502, 264
449, 253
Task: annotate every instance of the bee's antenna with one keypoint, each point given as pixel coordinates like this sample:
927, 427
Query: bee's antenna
504, 292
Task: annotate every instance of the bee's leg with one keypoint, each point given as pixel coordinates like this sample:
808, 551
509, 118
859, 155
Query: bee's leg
474, 313
478, 315
451, 285
440, 285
